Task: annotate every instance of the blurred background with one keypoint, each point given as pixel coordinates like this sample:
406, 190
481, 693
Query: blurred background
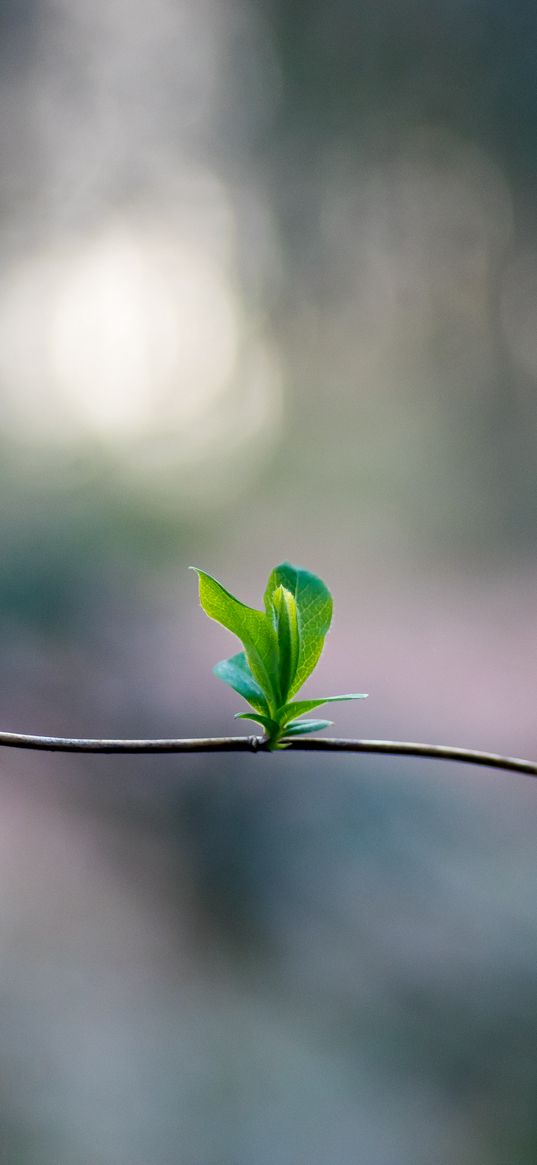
268, 290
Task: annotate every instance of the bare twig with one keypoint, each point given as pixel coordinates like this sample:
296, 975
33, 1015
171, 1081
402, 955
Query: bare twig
70, 744
260, 744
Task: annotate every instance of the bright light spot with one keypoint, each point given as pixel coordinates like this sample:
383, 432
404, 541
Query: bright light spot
135, 341
115, 335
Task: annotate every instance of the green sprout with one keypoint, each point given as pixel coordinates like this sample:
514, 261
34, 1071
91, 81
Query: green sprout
282, 646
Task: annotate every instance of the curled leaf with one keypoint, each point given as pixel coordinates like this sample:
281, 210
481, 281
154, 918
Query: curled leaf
236, 672
314, 615
300, 727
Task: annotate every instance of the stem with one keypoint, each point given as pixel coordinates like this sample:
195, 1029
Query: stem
261, 744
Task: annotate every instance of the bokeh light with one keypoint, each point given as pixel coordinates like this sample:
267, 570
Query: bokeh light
135, 340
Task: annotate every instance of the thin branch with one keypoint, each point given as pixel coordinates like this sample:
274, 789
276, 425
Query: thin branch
468, 756
73, 744
259, 744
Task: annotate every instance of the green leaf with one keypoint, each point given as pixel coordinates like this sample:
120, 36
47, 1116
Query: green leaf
271, 728
236, 672
300, 727
282, 645
286, 626
314, 614
298, 707
252, 627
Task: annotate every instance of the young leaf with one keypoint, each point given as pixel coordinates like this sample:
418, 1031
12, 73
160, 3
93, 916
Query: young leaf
286, 626
236, 672
281, 647
271, 728
252, 627
300, 727
314, 614
298, 707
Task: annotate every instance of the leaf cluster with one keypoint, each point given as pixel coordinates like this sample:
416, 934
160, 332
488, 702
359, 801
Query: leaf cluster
282, 645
